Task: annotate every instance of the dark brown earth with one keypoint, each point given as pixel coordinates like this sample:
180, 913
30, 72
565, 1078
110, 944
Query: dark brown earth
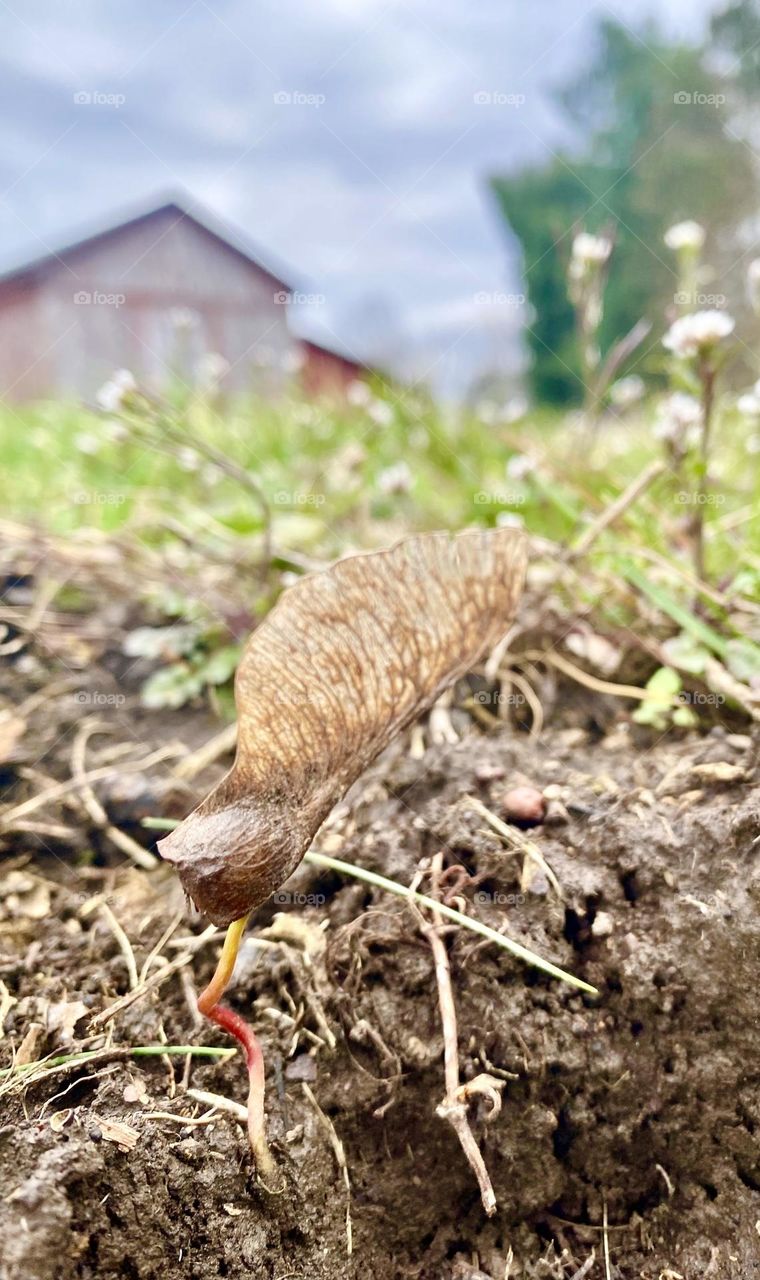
644, 1100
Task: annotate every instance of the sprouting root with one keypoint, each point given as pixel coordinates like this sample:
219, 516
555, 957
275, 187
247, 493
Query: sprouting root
208, 1004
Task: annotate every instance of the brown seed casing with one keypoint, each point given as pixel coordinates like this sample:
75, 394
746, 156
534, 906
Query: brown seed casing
345, 660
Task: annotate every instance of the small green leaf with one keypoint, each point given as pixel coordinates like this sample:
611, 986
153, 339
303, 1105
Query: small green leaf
686, 654
685, 717
661, 690
220, 665
171, 687
743, 659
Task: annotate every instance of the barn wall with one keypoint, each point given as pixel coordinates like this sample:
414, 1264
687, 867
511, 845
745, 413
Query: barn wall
117, 303
25, 362
324, 373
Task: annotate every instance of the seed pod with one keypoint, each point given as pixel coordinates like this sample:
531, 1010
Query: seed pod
344, 661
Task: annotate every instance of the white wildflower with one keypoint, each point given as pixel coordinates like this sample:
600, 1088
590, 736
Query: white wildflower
698, 333
514, 409
183, 318
211, 368
380, 412
509, 411
509, 520
753, 285
749, 403
86, 443
395, 479
292, 361
627, 391
685, 237
519, 466
358, 394
116, 391
589, 250
677, 415
188, 459
115, 431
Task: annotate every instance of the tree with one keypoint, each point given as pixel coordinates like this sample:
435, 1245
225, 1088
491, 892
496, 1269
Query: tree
656, 150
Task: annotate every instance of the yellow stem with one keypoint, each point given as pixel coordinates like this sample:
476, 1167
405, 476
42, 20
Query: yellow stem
225, 968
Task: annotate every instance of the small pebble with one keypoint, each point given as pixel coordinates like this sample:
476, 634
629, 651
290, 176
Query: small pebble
488, 772
524, 806
304, 1067
603, 925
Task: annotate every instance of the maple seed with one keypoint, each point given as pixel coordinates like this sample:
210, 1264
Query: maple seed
345, 660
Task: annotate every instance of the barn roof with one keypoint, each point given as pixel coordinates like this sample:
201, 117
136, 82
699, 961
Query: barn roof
182, 207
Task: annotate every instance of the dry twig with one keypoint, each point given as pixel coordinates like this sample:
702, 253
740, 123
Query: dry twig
454, 1106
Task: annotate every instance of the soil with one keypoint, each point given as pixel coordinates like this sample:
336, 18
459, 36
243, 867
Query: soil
639, 1107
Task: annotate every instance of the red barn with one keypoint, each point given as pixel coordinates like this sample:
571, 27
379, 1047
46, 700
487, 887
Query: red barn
155, 294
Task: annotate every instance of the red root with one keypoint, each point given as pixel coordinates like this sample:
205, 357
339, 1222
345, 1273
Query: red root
228, 1020
231, 1022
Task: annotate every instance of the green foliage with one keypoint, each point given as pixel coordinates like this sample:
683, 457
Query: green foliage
194, 657
657, 709
655, 149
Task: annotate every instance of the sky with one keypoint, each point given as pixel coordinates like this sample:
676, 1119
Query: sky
351, 140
